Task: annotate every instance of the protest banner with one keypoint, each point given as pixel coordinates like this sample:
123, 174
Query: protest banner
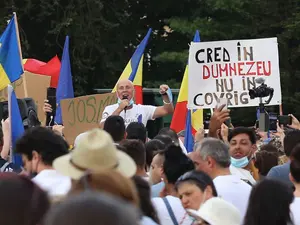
228, 69
36, 86
84, 113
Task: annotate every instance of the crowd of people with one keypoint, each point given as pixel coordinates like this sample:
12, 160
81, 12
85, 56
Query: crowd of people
116, 175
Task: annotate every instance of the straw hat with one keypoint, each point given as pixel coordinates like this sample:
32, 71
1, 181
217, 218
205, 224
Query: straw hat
95, 151
217, 211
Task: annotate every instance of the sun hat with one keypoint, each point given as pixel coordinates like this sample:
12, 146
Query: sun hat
78, 138
217, 211
95, 151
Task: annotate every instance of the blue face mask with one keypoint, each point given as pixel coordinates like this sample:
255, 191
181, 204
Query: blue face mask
130, 102
239, 163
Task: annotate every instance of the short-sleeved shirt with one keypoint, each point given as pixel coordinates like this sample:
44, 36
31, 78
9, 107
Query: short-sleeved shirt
281, 173
177, 208
138, 113
232, 189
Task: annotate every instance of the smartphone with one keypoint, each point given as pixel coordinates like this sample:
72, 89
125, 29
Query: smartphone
51, 97
273, 122
222, 101
285, 120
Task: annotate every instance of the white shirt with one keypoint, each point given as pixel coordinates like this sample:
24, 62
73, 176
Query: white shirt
131, 115
232, 189
53, 182
295, 209
242, 174
177, 208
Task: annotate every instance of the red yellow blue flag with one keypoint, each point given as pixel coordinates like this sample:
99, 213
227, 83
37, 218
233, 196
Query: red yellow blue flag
184, 119
134, 69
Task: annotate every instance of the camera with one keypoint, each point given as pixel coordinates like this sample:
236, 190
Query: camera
28, 112
261, 91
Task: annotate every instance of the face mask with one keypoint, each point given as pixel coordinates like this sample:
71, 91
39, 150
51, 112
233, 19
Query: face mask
240, 163
130, 102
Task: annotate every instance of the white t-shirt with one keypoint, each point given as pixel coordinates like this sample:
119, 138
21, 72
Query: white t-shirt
53, 182
177, 208
295, 209
232, 189
242, 174
146, 113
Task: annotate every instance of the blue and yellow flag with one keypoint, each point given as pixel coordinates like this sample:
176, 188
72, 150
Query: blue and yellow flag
11, 67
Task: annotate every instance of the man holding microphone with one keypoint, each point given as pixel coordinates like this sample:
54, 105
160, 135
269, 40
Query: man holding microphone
131, 112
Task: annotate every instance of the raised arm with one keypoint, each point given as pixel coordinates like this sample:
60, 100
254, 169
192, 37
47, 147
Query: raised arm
168, 107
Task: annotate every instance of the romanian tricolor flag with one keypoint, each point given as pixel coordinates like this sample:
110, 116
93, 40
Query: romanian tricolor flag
134, 69
51, 68
184, 119
11, 67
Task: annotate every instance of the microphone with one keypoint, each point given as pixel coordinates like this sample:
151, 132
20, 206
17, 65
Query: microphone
125, 97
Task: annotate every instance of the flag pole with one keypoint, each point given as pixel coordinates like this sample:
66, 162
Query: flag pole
20, 51
10, 122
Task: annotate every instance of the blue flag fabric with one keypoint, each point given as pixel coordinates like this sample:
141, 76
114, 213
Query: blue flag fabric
17, 128
65, 84
11, 67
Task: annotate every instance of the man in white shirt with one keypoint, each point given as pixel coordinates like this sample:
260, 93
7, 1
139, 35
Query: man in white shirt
212, 156
39, 147
131, 112
242, 142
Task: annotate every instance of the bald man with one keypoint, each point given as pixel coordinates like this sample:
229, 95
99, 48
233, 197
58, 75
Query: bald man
136, 113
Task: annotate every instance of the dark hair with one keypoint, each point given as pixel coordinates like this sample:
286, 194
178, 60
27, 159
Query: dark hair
136, 131
164, 138
291, 139
243, 130
23, 202
45, 142
295, 163
269, 148
269, 203
151, 148
92, 208
136, 150
264, 161
144, 192
169, 132
176, 163
199, 178
115, 126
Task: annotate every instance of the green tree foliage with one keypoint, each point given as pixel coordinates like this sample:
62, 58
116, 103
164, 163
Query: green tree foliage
104, 34
244, 19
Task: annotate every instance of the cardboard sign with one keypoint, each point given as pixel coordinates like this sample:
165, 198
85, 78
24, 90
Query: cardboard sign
228, 69
36, 86
84, 113
37, 89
